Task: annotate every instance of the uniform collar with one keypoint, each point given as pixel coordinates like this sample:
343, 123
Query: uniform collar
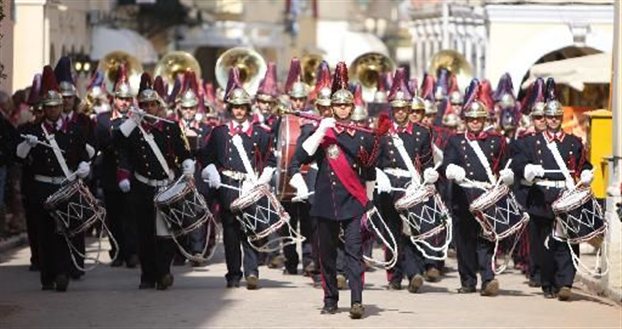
52, 127
482, 135
245, 127
407, 129
67, 116
340, 129
551, 137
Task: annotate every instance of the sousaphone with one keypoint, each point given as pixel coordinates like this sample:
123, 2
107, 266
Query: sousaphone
251, 65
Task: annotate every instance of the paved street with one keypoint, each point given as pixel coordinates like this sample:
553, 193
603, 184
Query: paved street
110, 297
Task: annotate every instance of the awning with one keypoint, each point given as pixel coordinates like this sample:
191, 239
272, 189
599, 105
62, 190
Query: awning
106, 40
574, 72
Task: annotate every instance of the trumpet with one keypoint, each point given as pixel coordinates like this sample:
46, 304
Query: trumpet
140, 113
318, 118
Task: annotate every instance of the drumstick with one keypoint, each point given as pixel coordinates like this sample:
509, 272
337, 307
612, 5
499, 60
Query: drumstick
231, 187
556, 171
302, 197
43, 143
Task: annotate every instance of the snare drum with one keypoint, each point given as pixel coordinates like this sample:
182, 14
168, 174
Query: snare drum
182, 207
423, 212
579, 214
259, 212
498, 213
74, 208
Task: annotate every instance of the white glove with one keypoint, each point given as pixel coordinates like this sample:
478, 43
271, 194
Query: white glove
247, 186
369, 188
532, 171
430, 175
455, 173
302, 191
187, 167
211, 176
83, 169
124, 185
383, 182
128, 126
31, 140
266, 175
326, 124
506, 176
587, 176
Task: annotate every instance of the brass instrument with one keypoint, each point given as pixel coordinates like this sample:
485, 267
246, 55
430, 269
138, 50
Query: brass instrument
455, 63
174, 63
309, 64
366, 69
250, 64
109, 65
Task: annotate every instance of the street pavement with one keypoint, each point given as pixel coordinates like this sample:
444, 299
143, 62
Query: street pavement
109, 297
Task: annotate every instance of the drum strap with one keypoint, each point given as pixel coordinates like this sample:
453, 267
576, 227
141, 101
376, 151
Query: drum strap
239, 146
399, 145
57, 154
156, 151
552, 146
482, 159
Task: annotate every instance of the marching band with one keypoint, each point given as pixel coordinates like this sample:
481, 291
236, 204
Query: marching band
420, 169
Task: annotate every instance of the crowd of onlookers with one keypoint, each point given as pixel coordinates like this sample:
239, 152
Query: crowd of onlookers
14, 111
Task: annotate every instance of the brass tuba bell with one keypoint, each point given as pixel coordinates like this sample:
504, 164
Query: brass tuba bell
174, 63
309, 64
455, 63
109, 65
366, 69
250, 64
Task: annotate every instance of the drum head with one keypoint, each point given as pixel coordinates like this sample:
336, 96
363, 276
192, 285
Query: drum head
289, 131
172, 192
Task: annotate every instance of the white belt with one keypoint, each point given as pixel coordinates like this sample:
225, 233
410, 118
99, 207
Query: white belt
235, 175
50, 180
152, 182
551, 183
397, 172
476, 184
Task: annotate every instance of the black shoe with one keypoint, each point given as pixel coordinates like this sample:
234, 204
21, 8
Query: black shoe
329, 309
252, 282
146, 285
62, 281
564, 294
432, 274
276, 262
466, 290
395, 285
549, 293
534, 284
117, 263
76, 275
165, 281
290, 272
490, 288
179, 261
233, 284
47, 286
132, 261
33, 268
415, 283
356, 311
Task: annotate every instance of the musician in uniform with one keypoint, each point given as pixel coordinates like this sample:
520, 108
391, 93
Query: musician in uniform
395, 171
344, 188
109, 142
62, 160
563, 154
154, 151
221, 157
473, 160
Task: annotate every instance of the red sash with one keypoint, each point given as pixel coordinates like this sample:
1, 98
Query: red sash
342, 169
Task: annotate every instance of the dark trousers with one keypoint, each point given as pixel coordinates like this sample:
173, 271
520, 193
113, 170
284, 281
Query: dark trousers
233, 237
155, 253
474, 252
299, 216
555, 262
121, 223
54, 257
31, 227
534, 266
328, 233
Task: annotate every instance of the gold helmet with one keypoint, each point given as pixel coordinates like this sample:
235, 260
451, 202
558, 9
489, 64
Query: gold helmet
418, 103
238, 96
455, 98
430, 107
188, 99
323, 97
52, 98
299, 90
553, 108
67, 89
476, 109
342, 96
537, 109
450, 120
148, 95
400, 99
